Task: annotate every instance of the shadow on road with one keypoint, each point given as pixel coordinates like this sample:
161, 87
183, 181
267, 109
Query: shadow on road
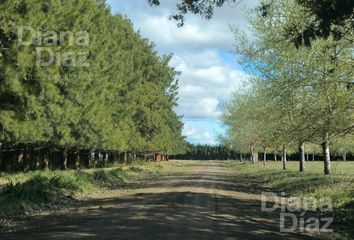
204, 203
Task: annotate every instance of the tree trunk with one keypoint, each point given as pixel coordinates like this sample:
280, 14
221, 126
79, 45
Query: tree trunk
241, 157
90, 161
307, 157
125, 157
46, 160
65, 159
283, 157
27, 160
0, 156
302, 156
77, 160
105, 157
265, 157
115, 156
275, 157
313, 157
326, 154
344, 157
253, 158
20, 157
37, 161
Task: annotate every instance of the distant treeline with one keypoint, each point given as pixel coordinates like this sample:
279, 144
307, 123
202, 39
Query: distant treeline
207, 152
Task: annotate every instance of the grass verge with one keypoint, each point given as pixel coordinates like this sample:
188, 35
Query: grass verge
339, 186
23, 192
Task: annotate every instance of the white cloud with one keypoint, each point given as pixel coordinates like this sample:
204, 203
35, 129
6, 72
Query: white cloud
153, 23
198, 135
203, 57
191, 90
203, 131
206, 81
165, 34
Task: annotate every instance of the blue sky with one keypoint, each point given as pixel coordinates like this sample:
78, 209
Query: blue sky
201, 51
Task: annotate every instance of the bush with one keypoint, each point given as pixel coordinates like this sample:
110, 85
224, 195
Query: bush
26, 191
100, 175
119, 174
37, 189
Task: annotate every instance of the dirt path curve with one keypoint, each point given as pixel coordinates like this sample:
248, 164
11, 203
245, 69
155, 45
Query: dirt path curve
204, 202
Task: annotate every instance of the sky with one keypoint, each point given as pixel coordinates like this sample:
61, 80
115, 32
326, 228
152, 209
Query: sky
202, 52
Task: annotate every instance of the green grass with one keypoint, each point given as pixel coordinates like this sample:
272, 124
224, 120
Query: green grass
339, 186
27, 191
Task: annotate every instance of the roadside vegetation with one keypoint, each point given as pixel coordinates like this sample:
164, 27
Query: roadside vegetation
296, 99
26, 192
339, 186
116, 101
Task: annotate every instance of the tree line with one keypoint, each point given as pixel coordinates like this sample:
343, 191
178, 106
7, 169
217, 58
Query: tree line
312, 153
76, 81
295, 98
207, 152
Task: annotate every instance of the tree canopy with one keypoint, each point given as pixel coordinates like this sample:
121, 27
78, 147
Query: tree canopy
295, 96
105, 88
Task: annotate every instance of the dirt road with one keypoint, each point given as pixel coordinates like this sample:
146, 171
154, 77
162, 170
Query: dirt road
203, 202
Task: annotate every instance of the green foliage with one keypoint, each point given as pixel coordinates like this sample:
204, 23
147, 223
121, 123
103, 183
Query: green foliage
123, 101
27, 191
38, 188
295, 95
207, 152
100, 175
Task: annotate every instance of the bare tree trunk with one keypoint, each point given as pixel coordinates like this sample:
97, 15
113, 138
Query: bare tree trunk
27, 159
326, 154
125, 157
345, 156
65, 159
241, 157
105, 157
115, 156
37, 161
20, 159
46, 160
275, 157
307, 157
77, 160
253, 158
0, 156
265, 157
302, 156
313, 157
90, 161
283, 157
